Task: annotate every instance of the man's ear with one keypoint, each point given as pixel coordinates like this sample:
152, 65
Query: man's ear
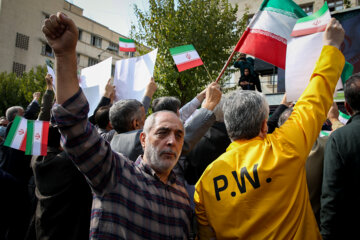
135, 124
142, 139
264, 129
348, 109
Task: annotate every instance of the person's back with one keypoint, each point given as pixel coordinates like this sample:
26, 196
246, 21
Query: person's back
257, 189
64, 198
340, 199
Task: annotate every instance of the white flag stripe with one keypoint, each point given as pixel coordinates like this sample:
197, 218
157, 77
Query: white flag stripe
266, 19
323, 20
186, 57
18, 138
37, 138
126, 45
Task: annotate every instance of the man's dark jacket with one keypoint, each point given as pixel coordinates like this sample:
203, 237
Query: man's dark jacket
340, 200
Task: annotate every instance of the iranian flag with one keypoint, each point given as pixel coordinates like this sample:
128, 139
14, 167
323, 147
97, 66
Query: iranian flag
16, 137
343, 118
37, 137
185, 57
268, 32
313, 23
127, 45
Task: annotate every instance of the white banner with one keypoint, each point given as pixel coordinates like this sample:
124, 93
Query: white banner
132, 76
93, 81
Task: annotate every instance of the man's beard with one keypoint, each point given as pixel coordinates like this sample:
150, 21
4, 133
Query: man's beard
153, 155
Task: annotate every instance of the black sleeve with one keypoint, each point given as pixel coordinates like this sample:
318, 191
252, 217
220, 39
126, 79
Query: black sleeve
32, 111
274, 118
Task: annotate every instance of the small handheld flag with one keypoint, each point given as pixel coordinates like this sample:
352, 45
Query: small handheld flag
185, 57
37, 137
16, 137
127, 45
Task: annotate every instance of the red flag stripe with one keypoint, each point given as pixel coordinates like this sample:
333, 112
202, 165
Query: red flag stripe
190, 64
23, 143
44, 140
127, 49
308, 31
263, 45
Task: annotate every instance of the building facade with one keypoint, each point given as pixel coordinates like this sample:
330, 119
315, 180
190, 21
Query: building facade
23, 45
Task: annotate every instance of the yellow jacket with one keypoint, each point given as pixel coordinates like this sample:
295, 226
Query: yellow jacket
257, 188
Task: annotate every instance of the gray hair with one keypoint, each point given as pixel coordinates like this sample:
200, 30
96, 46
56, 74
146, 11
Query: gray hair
244, 113
123, 112
219, 109
11, 112
284, 116
151, 120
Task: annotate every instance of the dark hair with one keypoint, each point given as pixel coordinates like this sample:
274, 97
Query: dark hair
54, 137
166, 103
123, 112
102, 116
352, 92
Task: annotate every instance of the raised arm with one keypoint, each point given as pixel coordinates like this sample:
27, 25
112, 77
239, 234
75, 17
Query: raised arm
47, 100
303, 126
82, 143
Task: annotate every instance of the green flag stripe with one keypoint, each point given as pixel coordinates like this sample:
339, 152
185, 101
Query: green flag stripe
285, 7
182, 49
343, 115
325, 133
316, 15
126, 40
347, 72
30, 137
12, 132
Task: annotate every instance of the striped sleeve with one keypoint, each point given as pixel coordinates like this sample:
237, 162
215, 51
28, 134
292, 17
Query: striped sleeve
81, 141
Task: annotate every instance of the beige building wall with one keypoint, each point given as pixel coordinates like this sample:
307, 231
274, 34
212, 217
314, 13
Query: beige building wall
253, 6
26, 17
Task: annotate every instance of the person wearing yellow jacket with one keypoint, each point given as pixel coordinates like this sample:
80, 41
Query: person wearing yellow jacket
257, 188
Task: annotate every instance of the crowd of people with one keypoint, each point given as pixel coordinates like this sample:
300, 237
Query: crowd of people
216, 168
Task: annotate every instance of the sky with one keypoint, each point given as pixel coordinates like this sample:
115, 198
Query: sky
115, 14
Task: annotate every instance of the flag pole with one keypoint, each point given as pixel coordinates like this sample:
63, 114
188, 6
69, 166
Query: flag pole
207, 71
226, 65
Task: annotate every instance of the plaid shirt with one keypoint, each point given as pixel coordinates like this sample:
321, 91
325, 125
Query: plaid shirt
130, 202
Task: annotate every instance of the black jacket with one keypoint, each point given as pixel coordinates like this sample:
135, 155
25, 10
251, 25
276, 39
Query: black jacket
340, 200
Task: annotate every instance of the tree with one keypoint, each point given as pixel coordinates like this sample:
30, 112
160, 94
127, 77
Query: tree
210, 25
18, 90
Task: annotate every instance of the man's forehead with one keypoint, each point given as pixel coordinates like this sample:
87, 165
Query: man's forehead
168, 120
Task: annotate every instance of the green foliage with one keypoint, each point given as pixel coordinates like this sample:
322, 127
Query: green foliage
18, 91
210, 25
347, 4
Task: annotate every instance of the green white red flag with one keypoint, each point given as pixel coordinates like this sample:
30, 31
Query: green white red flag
185, 57
343, 118
312, 24
37, 137
127, 45
269, 30
16, 137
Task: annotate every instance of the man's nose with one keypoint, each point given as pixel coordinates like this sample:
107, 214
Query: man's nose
170, 139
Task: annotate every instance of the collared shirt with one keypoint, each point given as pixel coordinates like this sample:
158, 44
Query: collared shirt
130, 202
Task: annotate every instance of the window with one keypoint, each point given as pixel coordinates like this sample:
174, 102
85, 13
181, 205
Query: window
308, 8
92, 61
96, 41
46, 50
80, 34
250, 17
335, 5
77, 58
130, 54
22, 41
18, 68
114, 47
112, 70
